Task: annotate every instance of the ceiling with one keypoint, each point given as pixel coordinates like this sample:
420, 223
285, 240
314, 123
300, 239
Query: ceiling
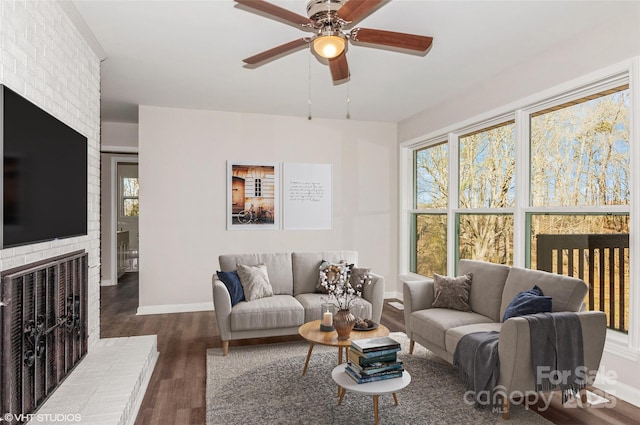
188, 54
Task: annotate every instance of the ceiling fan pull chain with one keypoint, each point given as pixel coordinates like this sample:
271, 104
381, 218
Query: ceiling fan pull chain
309, 88
348, 99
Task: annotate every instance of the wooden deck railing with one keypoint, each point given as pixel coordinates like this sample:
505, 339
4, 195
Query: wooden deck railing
601, 260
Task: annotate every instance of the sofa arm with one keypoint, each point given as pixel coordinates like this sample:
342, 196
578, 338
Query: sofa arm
416, 295
514, 349
374, 293
222, 307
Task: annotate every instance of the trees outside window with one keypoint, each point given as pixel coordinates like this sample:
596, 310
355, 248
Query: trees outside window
431, 200
130, 193
580, 196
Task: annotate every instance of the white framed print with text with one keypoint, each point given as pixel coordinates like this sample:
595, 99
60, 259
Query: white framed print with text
307, 196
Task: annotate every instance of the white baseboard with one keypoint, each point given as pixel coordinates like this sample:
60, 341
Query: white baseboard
620, 390
174, 308
108, 282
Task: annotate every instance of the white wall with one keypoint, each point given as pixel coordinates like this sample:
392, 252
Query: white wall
119, 137
597, 49
44, 58
182, 169
612, 42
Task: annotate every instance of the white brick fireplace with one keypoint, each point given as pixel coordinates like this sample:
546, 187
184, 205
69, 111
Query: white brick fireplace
45, 58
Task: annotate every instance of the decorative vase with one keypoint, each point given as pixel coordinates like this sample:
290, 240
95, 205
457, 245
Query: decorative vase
343, 321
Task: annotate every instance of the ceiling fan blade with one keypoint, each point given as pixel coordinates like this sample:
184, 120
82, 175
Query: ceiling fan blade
400, 40
278, 51
339, 68
354, 10
277, 11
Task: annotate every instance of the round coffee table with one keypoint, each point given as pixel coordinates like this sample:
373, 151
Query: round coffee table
376, 388
312, 333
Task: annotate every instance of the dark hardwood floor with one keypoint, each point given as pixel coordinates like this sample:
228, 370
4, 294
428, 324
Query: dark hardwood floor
176, 393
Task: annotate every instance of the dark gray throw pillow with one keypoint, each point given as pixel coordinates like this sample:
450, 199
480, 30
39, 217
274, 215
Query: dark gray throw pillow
452, 292
232, 281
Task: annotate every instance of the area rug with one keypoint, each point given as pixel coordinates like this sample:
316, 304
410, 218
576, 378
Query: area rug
263, 384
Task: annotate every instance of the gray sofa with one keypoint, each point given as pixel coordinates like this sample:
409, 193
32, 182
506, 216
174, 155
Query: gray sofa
492, 289
293, 277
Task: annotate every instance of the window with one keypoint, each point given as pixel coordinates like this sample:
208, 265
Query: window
580, 152
257, 187
580, 194
487, 168
556, 197
486, 237
592, 247
487, 182
431, 199
130, 202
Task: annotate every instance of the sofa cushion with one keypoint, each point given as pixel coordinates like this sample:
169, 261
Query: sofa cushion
306, 267
278, 268
567, 292
528, 302
487, 288
279, 311
454, 334
452, 292
255, 281
433, 323
232, 281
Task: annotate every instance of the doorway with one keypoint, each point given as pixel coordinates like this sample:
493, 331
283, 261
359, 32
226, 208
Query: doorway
120, 213
128, 211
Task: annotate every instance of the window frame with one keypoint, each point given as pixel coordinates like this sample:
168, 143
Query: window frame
123, 198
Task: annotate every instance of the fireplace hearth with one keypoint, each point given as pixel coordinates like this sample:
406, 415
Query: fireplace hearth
43, 327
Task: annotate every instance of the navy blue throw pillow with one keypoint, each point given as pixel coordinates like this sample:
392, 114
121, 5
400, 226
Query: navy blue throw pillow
232, 281
528, 302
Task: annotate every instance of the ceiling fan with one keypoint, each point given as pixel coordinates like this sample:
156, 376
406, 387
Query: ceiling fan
328, 19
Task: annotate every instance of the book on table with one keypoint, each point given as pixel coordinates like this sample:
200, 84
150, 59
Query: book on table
375, 357
376, 367
381, 343
363, 379
374, 354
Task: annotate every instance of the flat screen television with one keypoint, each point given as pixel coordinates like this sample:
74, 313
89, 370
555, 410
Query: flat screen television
44, 174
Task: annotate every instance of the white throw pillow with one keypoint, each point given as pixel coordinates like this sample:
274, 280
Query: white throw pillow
255, 281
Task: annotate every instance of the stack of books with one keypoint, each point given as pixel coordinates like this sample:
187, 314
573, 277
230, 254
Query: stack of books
374, 359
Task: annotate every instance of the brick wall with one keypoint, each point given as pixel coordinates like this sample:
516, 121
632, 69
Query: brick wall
45, 59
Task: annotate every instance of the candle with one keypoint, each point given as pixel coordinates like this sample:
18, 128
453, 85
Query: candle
326, 318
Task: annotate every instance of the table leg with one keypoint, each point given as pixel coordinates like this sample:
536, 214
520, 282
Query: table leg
341, 392
306, 362
395, 398
375, 409
339, 355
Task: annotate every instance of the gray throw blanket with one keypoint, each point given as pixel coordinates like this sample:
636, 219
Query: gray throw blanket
476, 358
557, 352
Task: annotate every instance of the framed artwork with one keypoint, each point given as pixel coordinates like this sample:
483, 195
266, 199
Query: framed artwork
253, 195
307, 196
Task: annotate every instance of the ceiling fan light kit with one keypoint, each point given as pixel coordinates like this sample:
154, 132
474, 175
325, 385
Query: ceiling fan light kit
327, 19
329, 44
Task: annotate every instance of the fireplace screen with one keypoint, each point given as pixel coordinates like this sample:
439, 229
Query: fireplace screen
43, 330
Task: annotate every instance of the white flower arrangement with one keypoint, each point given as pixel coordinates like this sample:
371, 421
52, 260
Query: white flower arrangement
336, 279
